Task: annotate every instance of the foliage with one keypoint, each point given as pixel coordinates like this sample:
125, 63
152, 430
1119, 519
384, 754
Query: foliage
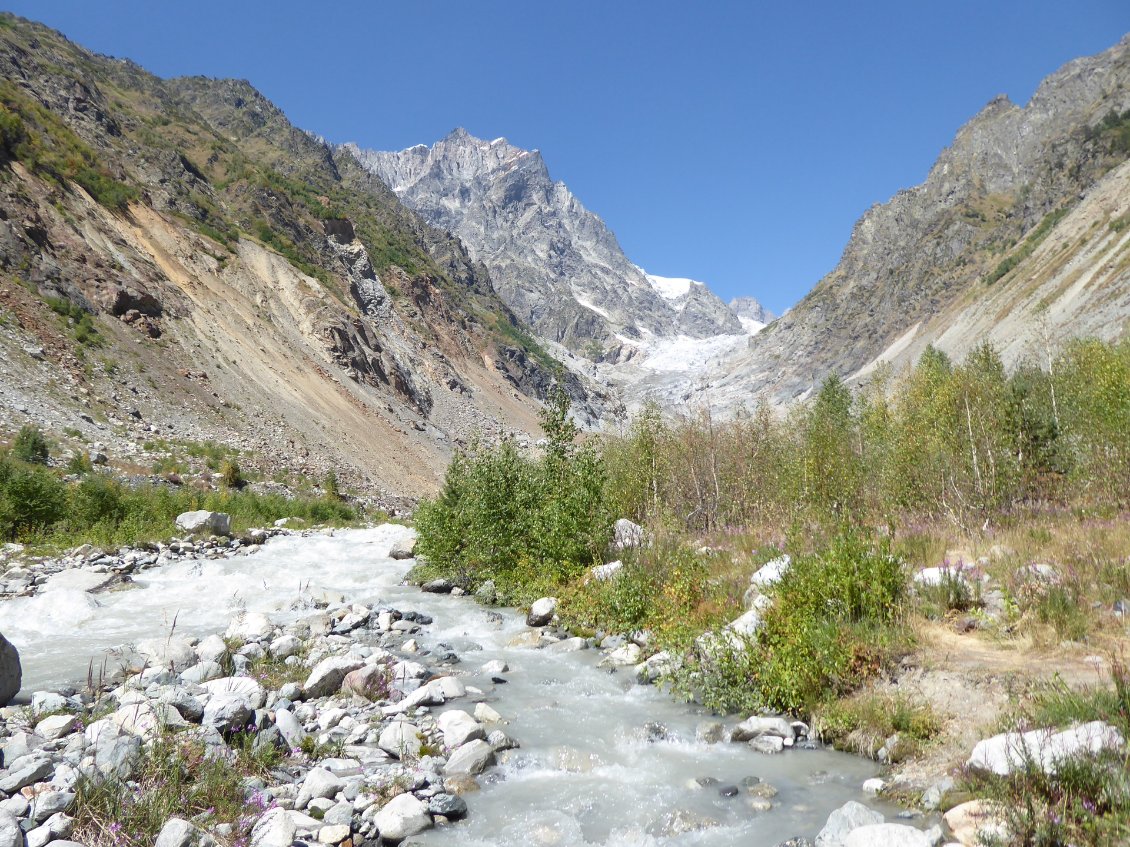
30, 445
518, 520
37, 505
835, 622
863, 723
231, 475
175, 777
78, 320
1030, 244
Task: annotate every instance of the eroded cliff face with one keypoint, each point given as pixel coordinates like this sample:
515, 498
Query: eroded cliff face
914, 262
552, 261
179, 263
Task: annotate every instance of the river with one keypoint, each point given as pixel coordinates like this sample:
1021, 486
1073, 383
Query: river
587, 771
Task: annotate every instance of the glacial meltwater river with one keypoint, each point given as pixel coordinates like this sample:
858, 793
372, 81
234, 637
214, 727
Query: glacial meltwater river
586, 772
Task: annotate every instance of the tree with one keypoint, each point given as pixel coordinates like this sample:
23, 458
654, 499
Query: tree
31, 446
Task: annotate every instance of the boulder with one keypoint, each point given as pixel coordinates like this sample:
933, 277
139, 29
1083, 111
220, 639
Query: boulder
401, 739
627, 535
403, 816
203, 522
542, 611
887, 835
237, 686
458, 728
405, 548
629, 654
607, 571
290, 727
319, 783
56, 726
327, 676
1002, 754
227, 713
842, 821
771, 572
274, 829
472, 758
976, 822
178, 832
173, 653
248, 626
371, 682
757, 726
11, 674
10, 833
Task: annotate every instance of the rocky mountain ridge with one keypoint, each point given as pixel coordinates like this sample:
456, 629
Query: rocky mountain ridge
180, 264
552, 261
939, 262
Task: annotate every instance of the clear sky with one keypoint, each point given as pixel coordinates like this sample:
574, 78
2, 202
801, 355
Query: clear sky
732, 142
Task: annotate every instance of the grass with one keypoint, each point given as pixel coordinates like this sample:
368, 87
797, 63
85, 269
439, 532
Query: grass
863, 724
175, 777
1086, 801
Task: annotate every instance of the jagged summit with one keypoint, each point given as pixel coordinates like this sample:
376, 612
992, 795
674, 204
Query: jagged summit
552, 261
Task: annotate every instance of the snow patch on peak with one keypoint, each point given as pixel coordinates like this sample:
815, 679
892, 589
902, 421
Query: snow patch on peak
669, 287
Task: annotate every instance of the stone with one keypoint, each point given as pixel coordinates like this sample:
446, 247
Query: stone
629, 654
178, 832
27, 773
486, 714
10, 833
372, 682
203, 522
873, 786
542, 611
56, 726
56, 827
290, 727
401, 739
843, 820
403, 816
318, 783
933, 796
887, 835
771, 572
605, 572
404, 548
285, 645
494, 667
237, 686
486, 593
333, 834
274, 829
976, 822
710, 732
767, 744
227, 713
173, 653
116, 754
680, 822
567, 645
213, 648
11, 673
499, 741
757, 726
249, 626
627, 535
458, 728
437, 586
472, 758
654, 667
451, 806
47, 701
328, 674
1004, 753
202, 672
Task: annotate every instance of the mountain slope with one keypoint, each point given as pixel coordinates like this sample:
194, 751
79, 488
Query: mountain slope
952, 244
178, 262
552, 261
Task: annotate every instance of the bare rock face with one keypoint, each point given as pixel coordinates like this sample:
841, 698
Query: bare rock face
552, 261
11, 673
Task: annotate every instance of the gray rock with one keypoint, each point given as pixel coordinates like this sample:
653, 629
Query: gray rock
437, 586
10, 833
48, 701
202, 672
1009, 751
178, 832
51, 803
627, 535
11, 673
203, 522
472, 758
887, 835
401, 739
290, 727
56, 827
274, 829
227, 713
284, 645
25, 772
486, 593
319, 783
56, 726
117, 755
249, 626
933, 796
339, 814
843, 820
328, 674
173, 653
402, 817
405, 548
458, 728
710, 732
451, 806
542, 611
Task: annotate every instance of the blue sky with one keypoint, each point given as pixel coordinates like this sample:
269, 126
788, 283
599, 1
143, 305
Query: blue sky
732, 142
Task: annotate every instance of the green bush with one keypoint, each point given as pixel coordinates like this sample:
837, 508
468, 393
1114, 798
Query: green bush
31, 446
32, 499
834, 622
515, 520
231, 475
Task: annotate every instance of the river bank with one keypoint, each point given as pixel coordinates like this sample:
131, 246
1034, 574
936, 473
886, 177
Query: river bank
602, 758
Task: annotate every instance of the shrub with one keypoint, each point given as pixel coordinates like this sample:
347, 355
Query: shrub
834, 622
30, 445
31, 500
231, 475
516, 520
